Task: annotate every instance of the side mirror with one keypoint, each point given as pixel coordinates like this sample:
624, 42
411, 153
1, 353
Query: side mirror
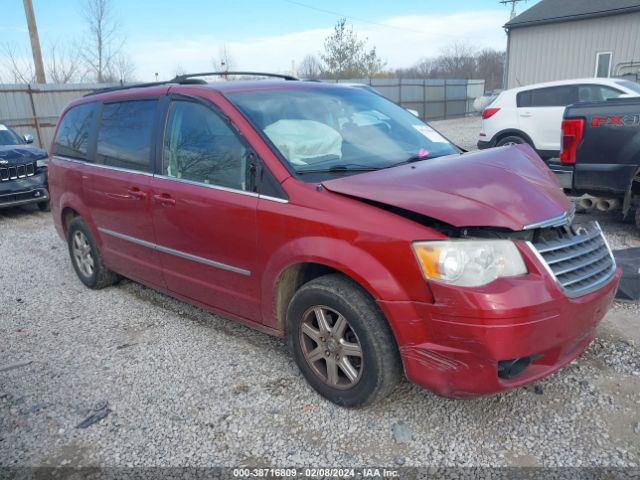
413, 112
28, 138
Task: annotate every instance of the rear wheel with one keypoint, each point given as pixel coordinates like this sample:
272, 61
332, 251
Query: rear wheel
86, 258
341, 342
510, 140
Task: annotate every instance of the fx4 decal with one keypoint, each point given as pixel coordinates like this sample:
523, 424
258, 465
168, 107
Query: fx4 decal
616, 121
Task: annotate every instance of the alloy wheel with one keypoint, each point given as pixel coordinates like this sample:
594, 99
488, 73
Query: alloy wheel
331, 347
82, 254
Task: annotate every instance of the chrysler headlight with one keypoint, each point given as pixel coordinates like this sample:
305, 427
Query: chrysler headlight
469, 263
43, 162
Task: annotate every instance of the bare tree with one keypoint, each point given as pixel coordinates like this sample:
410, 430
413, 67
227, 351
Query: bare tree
371, 63
63, 64
224, 62
345, 55
310, 67
179, 70
122, 69
104, 40
490, 67
18, 66
457, 61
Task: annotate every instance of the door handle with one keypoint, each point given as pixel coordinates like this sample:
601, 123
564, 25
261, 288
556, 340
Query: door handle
136, 193
164, 199
526, 114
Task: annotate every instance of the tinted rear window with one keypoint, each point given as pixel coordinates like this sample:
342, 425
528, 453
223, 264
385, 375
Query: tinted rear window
547, 97
72, 138
124, 137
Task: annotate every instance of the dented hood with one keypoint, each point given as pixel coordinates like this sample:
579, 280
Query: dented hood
20, 154
506, 187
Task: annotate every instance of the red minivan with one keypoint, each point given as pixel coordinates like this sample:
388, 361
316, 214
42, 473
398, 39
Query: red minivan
331, 216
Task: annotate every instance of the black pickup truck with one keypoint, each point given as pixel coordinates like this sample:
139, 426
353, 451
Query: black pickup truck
600, 154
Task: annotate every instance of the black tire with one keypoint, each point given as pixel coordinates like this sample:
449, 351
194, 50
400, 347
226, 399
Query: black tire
99, 276
638, 217
380, 367
44, 206
510, 140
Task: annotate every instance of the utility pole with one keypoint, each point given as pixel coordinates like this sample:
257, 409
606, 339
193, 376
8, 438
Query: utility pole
513, 5
35, 41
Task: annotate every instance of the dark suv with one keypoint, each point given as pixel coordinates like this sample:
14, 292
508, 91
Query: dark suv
331, 216
23, 171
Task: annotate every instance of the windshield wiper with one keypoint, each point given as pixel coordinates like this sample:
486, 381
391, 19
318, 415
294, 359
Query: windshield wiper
341, 168
414, 158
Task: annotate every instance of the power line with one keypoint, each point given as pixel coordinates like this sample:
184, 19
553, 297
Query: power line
362, 20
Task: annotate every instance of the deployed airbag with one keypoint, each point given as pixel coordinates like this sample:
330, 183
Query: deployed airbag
303, 142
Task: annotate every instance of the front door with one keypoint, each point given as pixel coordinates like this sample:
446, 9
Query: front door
204, 214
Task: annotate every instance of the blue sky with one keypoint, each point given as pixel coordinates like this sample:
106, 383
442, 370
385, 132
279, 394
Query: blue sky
165, 36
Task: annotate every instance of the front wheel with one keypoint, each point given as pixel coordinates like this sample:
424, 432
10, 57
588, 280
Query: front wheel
341, 342
44, 206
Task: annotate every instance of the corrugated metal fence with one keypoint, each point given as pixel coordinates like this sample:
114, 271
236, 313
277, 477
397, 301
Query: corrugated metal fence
35, 108
433, 99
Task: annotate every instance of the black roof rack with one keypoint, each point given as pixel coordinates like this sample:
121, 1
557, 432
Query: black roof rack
189, 78
182, 78
125, 87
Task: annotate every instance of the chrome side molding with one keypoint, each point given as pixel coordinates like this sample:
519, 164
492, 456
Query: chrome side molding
176, 253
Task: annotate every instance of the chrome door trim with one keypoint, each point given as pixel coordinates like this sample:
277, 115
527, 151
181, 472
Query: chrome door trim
166, 177
273, 199
209, 185
176, 253
224, 189
100, 165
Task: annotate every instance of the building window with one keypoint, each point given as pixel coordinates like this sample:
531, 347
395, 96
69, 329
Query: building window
603, 64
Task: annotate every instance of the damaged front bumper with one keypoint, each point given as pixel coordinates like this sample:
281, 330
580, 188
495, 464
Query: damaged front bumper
23, 191
513, 331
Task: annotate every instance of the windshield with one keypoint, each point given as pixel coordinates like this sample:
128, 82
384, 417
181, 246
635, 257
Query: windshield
7, 137
633, 86
339, 129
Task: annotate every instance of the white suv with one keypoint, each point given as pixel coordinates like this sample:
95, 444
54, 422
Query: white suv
533, 114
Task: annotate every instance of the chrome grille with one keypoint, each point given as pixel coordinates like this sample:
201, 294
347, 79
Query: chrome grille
579, 258
15, 172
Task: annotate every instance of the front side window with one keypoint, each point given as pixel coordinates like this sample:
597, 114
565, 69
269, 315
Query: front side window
124, 136
201, 147
72, 138
329, 130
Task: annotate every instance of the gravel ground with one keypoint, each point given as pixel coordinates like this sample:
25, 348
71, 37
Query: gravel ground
463, 131
187, 388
